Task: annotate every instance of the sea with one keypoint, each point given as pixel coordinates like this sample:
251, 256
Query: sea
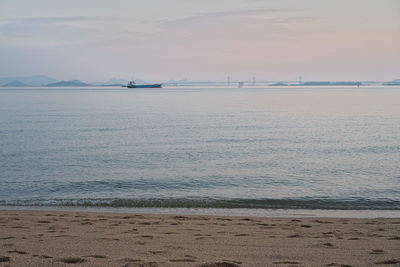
262, 151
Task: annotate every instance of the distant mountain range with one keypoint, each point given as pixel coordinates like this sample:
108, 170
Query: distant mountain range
318, 84
394, 82
68, 84
42, 80
115, 81
15, 84
36, 80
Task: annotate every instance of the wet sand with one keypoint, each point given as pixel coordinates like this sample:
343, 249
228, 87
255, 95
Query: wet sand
50, 238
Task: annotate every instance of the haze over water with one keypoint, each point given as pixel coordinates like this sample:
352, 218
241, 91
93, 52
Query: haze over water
328, 148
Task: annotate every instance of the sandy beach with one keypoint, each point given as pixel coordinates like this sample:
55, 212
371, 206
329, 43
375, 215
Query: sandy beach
50, 238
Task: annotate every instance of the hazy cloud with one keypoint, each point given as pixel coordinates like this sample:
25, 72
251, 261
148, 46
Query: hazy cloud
249, 25
44, 30
47, 20
264, 14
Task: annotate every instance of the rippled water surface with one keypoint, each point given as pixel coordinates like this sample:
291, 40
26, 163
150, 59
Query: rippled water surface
329, 148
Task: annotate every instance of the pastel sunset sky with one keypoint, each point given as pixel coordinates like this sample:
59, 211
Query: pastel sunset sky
159, 40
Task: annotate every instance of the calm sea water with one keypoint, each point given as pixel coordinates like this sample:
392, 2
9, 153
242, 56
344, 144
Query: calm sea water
279, 148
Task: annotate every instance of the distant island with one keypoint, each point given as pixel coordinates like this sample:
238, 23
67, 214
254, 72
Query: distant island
42, 80
34, 80
318, 84
15, 84
113, 85
72, 83
394, 82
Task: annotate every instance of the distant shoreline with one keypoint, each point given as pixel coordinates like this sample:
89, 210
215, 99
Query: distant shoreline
244, 87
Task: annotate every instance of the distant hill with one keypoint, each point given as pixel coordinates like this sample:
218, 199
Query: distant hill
330, 83
279, 84
318, 84
114, 85
68, 83
113, 81
120, 82
35, 80
15, 84
394, 82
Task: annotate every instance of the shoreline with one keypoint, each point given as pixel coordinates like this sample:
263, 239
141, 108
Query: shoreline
63, 238
237, 212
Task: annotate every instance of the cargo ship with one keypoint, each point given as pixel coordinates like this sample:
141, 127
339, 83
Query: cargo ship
132, 84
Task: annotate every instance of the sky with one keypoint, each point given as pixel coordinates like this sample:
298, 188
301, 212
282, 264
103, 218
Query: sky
160, 40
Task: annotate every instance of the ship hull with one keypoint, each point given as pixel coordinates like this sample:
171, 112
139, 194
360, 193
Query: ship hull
158, 85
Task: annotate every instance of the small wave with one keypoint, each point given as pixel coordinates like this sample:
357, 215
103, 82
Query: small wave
243, 140
101, 130
326, 204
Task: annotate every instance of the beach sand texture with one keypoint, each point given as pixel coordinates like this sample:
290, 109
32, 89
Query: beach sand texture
49, 238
